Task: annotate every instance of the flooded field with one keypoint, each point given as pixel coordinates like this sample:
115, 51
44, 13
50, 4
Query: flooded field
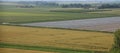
109, 24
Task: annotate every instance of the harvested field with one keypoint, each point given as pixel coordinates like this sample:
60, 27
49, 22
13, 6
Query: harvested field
60, 38
10, 50
99, 24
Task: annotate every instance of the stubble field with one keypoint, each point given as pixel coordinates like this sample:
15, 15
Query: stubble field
78, 40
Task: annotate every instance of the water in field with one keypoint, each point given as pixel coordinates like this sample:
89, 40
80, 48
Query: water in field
100, 24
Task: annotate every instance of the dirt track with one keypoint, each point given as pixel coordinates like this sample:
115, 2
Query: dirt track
100, 24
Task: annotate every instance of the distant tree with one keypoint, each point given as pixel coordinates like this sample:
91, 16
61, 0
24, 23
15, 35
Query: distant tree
65, 6
87, 6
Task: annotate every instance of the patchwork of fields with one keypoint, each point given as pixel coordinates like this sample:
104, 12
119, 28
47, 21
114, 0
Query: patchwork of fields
78, 40
19, 39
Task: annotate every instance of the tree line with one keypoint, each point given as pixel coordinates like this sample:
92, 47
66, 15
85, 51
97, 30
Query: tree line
100, 6
38, 3
76, 6
110, 6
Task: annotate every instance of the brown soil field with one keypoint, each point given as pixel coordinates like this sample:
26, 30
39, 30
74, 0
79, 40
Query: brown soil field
10, 50
78, 40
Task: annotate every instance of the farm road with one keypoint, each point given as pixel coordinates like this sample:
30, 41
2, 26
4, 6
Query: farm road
109, 24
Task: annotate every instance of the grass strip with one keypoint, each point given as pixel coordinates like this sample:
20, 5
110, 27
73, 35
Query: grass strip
44, 48
117, 50
79, 11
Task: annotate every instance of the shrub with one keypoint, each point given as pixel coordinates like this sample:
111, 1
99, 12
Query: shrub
117, 39
116, 47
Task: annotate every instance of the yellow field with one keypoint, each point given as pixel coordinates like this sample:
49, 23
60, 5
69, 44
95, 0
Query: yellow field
56, 38
10, 50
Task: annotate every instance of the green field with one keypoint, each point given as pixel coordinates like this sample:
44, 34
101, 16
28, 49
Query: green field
27, 15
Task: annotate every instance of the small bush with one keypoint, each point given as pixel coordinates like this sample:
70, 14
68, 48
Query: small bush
117, 39
116, 47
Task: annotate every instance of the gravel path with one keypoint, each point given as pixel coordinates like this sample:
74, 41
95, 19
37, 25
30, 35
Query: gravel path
100, 24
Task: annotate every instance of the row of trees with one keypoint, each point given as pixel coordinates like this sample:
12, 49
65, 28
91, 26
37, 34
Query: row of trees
101, 6
38, 3
76, 6
109, 6
25, 6
44, 3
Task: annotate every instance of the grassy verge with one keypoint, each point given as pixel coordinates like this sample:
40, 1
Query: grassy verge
78, 10
43, 48
115, 51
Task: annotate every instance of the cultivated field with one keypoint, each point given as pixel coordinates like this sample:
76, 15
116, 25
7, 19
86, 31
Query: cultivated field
78, 40
10, 50
27, 15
